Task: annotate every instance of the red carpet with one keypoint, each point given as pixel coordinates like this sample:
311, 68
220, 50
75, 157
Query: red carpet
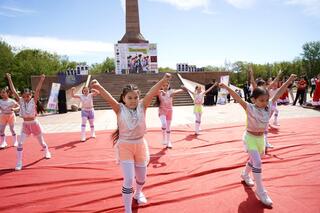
201, 174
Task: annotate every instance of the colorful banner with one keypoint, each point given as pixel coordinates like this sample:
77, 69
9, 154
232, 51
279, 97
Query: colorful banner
136, 58
222, 97
53, 99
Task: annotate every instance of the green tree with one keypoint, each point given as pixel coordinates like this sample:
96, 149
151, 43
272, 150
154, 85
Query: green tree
311, 57
30, 62
166, 69
6, 61
106, 66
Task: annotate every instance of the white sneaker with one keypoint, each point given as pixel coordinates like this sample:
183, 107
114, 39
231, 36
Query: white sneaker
93, 135
269, 145
18, 166
169, 145
247, 179
141, 199
164, 142
47, 154
15, 144
275, 123
264, 198
3, 145
83, 138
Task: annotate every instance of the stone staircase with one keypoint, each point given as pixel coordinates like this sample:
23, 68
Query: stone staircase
114, 84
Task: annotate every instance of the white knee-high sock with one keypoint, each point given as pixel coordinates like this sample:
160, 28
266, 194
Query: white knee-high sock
163, 128
197, 122
19, 154
168, 130
83, 128
91, 121
248, 168
42, 142
258, 179
275, 120
128, 171
256, 170
20, 148
141, 174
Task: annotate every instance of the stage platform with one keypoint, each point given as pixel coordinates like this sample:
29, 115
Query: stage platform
200, 174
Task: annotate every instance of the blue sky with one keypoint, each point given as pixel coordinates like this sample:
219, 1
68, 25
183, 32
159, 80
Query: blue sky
200, 32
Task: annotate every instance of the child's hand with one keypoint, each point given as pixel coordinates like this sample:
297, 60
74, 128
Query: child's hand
222, 85
42, 77
167, 77
8, 75
95, 84
293, 76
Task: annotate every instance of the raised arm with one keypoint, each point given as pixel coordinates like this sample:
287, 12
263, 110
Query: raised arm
12, 88
283, 88
73, 95
155, 89
208, 90
275, 80
106, 96
176, 91
15, 107
252, 81
95, 92
186, 89
38, 88
235, 96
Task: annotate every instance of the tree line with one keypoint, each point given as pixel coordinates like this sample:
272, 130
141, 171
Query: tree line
22, 64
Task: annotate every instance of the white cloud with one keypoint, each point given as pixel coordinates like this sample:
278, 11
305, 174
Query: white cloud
187, 4
311, 7
12, 11
123, 5
242, 4
59, 46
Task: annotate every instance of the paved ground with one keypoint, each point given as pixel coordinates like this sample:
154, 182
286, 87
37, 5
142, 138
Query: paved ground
106, 119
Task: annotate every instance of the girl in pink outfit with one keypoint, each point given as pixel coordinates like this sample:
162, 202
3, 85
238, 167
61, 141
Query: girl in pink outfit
258, 115
132, 148
7, 117
30, 123
87, 110
165, 98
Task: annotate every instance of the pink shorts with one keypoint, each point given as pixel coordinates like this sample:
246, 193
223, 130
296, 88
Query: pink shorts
167, 113
31, 127
135, 152
7, 119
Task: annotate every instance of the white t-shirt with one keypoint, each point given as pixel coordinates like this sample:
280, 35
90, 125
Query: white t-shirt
27, 109
86, 101
7, 105
131, 122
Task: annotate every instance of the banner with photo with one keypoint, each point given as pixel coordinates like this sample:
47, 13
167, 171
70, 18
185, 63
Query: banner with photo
136, 58
53, 99
222, 97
